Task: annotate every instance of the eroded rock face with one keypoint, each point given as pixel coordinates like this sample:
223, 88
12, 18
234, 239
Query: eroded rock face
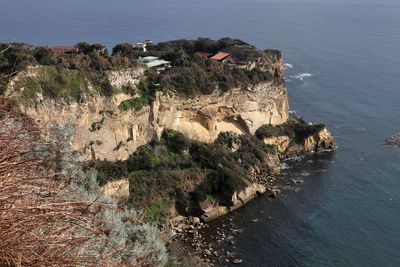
281, 142
102, 131
239, 199
125, 77
204, 117
323, 140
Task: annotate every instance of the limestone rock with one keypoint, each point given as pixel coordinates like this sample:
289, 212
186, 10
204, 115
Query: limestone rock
125, 77
118, 189
117, 134
281, 142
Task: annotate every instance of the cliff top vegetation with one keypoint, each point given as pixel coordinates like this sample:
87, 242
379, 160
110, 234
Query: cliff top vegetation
192, 73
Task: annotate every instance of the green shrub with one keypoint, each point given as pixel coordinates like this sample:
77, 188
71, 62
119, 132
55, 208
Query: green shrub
157, 211
143, 159
108, 170
268, 130
298, 129
135, 103
175, 141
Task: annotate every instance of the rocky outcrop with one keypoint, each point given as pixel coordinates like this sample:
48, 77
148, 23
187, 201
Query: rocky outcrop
118, 189
323, 140
125, 77
281, 142
214, 210
393, 141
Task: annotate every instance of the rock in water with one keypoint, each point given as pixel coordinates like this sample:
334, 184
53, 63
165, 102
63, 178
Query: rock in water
393, 141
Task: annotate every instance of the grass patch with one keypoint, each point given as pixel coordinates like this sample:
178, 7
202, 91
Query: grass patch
157, 211
54, 82
134, 103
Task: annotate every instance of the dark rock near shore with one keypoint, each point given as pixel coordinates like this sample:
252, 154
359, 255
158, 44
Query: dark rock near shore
393, 141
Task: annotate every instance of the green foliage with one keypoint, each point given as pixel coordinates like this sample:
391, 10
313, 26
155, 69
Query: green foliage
89, 49
143, 159
190, 75
300, 129
157, 211
192, 46
53, 83
186, 172
194, 75
45, 56
225, 176
175, 141
108, 170
91, 60
268, 130
270, 149
250, 151
126, 50
129, 90
134, 103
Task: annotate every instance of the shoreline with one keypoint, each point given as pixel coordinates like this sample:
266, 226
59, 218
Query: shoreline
212, 243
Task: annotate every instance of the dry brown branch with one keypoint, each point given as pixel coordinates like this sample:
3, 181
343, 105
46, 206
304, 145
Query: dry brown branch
40, 223
8, 47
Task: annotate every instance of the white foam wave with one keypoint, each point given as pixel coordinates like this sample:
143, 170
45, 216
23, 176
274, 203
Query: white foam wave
301, 76
288, 66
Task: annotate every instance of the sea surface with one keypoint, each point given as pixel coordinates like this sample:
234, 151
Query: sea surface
344, 72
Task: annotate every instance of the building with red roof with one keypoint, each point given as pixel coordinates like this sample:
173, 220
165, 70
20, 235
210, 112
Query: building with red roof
220, 56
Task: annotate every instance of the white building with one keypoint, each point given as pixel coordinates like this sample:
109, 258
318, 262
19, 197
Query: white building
155, 62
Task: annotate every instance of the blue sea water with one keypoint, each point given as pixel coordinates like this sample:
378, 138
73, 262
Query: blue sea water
347, 212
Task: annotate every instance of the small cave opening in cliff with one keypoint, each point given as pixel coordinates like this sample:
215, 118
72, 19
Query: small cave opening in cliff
203, 120
234, 124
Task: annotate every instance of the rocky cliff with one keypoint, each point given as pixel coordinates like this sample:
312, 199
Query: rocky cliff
103, 131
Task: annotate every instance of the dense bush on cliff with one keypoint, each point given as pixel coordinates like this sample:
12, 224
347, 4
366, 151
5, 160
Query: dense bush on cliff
52, 213
91, 61
182, 173
193, 74
190, 75
192, 46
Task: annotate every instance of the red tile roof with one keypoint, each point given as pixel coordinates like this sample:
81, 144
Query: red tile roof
220, 56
